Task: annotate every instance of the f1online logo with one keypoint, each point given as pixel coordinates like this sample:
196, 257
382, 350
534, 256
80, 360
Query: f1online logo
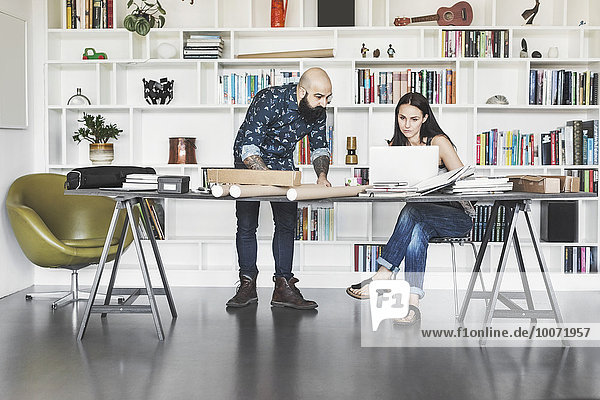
388, 299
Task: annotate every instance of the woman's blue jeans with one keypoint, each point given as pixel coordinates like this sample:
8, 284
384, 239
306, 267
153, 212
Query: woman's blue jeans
417, 223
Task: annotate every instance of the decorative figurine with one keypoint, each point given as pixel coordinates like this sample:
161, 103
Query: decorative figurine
158, 92
523, 52
531, 13
79, 99
391, 52
90, 54
536, 54
363, 51
351, 157
376, 53
582, 23
553, 52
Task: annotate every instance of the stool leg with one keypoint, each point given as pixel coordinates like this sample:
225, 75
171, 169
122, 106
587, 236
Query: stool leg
454, 280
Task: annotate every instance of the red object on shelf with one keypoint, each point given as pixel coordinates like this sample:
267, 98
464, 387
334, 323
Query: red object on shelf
278, 12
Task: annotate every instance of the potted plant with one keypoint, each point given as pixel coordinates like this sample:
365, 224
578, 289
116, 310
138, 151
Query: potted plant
98, 134
142, 18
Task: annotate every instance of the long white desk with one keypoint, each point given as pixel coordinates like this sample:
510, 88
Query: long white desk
516, 203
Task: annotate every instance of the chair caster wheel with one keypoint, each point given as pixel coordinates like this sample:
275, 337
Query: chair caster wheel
28, 297
121, 300
54, 307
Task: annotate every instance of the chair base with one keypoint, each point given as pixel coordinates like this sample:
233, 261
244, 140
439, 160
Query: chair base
63, 297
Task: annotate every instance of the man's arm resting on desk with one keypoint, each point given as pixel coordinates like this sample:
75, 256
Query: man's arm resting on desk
321, 166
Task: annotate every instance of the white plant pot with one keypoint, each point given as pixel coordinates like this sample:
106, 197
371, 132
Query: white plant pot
101, 153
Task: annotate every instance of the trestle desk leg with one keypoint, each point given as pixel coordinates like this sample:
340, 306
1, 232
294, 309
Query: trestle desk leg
145, 274
489, 312
113, 275
523, 274
161, 267
101, 264
477, 268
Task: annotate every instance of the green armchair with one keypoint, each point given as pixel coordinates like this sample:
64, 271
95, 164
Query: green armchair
55, 230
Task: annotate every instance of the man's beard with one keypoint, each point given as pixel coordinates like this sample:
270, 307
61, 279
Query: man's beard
310, 114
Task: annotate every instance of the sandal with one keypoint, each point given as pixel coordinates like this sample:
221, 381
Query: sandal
416, 317
357, 286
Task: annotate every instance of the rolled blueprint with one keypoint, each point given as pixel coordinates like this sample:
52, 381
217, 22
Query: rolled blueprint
308, 192
220, 190
240, 191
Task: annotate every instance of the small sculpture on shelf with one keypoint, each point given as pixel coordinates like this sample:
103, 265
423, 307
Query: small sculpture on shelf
536, 54
531, 13
553, 52
351, 157
376, 53
78, 99
523, 52
391, 51
158, 92
363, 51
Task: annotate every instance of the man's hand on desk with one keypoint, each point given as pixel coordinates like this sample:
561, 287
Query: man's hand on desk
322, 180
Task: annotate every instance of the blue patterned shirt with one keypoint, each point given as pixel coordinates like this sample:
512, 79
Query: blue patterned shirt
273, 126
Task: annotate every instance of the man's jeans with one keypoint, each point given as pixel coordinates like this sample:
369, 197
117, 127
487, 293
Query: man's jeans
285, 215
417, 223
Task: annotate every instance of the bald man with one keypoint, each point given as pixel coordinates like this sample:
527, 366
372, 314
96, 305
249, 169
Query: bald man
277, 119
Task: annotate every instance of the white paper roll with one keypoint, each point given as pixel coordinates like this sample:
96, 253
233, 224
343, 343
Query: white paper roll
309, 192
220, 190
241, 191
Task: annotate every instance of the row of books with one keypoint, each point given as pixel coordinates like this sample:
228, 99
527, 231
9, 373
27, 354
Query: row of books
588, 179
203, 47
480, 223
576, 143
89, 14
362, 175
314, 223
562, 87
386, 87
471, 43
241, 88
157, 219
365, 257
302, 153
581, 259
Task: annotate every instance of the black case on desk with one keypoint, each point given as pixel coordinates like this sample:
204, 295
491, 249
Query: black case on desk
102, 176
173, 184
559, 221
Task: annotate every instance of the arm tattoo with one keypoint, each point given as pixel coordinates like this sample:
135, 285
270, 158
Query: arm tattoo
255, 162
321, 165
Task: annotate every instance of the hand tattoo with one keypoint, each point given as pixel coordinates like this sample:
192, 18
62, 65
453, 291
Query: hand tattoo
321, 165
255, 162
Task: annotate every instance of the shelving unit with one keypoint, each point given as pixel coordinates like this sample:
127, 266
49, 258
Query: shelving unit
201, 235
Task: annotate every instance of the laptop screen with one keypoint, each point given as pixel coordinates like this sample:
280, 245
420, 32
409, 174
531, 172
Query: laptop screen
402, 164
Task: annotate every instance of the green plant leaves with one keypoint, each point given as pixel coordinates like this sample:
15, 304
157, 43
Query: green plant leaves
142, 18
95, 130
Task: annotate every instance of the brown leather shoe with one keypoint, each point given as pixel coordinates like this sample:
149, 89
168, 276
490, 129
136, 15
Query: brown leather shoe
245, 294
286, 294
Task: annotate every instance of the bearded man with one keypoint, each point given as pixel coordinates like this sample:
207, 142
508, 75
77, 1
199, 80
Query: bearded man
277, 119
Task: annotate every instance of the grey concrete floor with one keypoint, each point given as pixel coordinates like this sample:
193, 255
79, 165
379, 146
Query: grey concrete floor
264, 353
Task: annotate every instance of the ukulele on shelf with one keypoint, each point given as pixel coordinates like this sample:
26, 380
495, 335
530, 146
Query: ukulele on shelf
460, 14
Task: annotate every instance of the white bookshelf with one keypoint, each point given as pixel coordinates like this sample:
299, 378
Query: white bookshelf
201, 235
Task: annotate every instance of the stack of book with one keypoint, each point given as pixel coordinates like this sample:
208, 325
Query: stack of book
89, 14
203, 46
141, 182
314, 223
480, 185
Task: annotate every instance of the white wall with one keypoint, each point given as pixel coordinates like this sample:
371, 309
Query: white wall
21, 151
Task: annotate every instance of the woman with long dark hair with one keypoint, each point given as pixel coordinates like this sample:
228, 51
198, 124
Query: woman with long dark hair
415, 125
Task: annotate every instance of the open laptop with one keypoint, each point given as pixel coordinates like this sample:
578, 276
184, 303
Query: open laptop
402, 165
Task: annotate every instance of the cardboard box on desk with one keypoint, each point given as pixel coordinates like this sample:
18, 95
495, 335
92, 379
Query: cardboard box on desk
253, 177
544, 183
